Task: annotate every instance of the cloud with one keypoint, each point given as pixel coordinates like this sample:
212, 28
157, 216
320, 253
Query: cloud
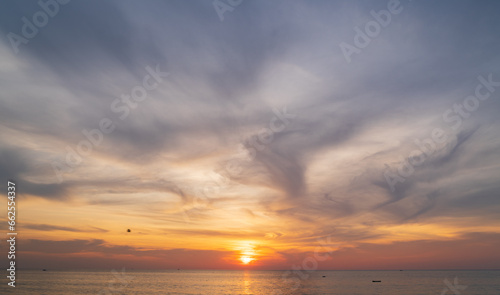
48, 227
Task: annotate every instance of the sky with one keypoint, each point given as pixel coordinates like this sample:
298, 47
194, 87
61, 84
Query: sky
252, 134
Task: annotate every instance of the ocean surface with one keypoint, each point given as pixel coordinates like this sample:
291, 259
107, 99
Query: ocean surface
123, 281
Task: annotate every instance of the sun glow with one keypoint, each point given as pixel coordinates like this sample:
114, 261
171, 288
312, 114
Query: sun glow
246, 259
247, 253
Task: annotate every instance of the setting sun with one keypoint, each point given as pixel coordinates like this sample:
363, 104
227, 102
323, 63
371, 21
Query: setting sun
246, 259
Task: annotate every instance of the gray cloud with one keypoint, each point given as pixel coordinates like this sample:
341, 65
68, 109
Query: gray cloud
48, 227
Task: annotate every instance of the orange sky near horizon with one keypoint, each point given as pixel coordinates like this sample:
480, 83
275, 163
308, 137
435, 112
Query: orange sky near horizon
76, 235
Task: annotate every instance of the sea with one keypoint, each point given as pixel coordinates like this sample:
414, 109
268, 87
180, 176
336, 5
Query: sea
207, 282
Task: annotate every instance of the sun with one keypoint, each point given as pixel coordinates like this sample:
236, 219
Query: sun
246, 259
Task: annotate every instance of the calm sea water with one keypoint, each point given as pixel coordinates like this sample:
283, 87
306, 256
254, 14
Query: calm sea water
255, 282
